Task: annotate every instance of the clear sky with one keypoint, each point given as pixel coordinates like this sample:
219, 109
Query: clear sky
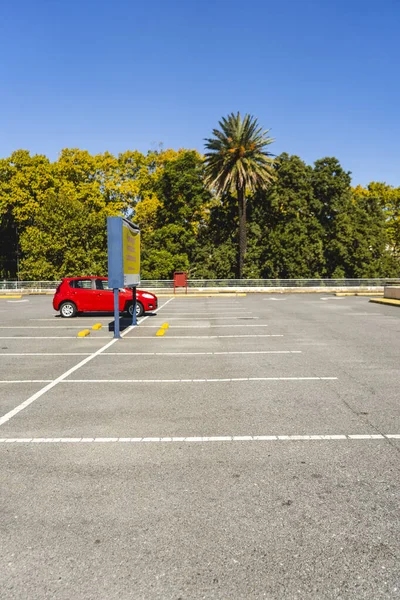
125, 74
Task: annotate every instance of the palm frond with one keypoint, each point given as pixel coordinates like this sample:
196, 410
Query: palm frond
237, 156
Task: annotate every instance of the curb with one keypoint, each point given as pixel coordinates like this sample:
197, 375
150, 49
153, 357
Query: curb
368, 294
12, 296
390, 301
84, 333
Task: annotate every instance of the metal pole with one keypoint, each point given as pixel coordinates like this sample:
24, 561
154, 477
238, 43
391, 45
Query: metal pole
116, 313
134, 318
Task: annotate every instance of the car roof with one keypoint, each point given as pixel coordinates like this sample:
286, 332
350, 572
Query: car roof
84, 277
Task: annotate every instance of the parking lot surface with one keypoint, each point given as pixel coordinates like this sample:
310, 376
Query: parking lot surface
251, 451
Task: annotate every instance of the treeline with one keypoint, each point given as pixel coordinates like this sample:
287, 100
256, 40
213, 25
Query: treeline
309, 223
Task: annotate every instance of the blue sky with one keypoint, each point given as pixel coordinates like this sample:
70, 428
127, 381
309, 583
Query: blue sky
322, 74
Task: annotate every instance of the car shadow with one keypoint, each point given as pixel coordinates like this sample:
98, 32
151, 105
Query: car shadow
103, 314
125, 322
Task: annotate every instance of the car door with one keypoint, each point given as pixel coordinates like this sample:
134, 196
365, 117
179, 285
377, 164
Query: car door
82, 294
104, 296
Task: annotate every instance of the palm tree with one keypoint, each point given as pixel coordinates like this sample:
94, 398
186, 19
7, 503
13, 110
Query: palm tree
237, 162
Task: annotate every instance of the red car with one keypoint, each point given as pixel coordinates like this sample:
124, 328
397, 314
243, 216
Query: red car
91, 294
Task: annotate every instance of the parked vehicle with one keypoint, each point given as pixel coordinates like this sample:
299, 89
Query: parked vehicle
91, 294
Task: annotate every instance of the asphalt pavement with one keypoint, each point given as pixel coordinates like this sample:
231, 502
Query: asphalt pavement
250, 451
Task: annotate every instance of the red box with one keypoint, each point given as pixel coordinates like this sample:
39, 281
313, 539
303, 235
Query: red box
180, 280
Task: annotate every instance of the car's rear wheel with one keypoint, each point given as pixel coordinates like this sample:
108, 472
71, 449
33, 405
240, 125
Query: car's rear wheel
139, 309
68, 309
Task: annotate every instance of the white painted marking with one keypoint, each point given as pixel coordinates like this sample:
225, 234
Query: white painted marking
332, 298
363, 436
51, 337
40, 326
59, 379
202, 439
17, 301
97, 320
206, 326
198, 353
210, 337
221, 318
25, 381
46, 353
394, 436
60, 319
228, 379
205, 312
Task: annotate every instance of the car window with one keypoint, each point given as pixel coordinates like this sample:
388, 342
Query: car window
102, 284
81, 284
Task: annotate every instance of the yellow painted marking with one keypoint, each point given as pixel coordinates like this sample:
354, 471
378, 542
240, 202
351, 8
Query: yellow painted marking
205, 295
164, 326
340, 294
97, 326
391, 301
84, 333
10, 296
160, 332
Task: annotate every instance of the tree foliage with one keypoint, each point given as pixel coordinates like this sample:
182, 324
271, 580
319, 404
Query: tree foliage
305, 222
237, 162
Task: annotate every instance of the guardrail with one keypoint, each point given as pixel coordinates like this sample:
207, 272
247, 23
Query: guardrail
271, 283
38, 286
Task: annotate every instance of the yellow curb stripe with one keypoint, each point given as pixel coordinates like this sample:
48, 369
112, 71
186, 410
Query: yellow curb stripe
84, 333
342, 294
6, 297
391, 301
97, 326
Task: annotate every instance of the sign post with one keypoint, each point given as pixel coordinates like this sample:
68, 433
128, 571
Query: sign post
123, 239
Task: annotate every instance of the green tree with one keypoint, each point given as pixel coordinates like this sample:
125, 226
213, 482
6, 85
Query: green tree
238, 163
172, 209
24, 180
292, 234
388, 198
355, 235
68, 237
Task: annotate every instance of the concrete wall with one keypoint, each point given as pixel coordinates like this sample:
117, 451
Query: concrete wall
392, 291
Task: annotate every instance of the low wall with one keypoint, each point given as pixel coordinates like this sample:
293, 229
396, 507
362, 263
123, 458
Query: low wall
272, 290
392, 291
376, 289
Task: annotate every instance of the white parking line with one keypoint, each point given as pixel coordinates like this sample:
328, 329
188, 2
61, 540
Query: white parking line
46, 353
202, 380
149, 353
210, 337
50, 337
200, 353
25, 381
221, 318
98, 320
206, 312
72, 326
142, 337
202, 439
206, 326
59, 379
